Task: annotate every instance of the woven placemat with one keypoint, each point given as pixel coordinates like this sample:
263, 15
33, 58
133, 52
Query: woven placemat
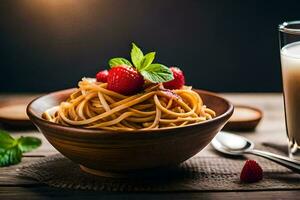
196, 174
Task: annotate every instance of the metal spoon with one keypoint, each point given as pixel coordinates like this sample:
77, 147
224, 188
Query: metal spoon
235, 145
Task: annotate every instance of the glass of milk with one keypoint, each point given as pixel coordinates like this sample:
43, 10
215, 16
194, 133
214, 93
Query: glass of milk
289, 37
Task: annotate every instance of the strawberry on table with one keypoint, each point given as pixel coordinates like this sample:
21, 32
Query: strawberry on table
251, 172
178, 80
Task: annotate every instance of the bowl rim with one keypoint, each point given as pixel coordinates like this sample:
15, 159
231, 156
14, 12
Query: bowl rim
33, 117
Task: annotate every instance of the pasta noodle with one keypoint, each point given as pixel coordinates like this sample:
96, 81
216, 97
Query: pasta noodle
94, 106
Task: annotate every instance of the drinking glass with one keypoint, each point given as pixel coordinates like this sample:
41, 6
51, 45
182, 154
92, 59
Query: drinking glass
289, 38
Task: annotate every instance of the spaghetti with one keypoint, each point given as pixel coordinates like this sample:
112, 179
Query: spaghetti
94, 106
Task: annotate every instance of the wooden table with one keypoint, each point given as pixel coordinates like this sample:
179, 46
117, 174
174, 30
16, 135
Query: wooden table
12, 187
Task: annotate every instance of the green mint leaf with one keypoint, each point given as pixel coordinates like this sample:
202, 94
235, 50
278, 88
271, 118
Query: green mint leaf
10, 156
147, 60
157, 73
118, 61
6, 141
11, 149
136, 56
26, 144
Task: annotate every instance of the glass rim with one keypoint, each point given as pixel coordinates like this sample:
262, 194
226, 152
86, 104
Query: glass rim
285, 29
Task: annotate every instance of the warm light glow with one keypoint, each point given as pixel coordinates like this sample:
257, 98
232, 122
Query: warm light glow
52, 3
66, 18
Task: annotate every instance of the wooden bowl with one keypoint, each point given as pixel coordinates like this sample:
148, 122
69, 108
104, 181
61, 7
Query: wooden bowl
244, 118
103, 152
13, 113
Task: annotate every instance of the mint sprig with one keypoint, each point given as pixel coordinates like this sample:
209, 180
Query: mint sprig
11, 149
27, 144
137, 56
154, 72
119, 61
10, 156
147, 60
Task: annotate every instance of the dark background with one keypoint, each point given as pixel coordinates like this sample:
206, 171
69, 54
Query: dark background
223, 46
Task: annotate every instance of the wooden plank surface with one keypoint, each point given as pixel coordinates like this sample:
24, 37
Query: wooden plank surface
43, 192
269, 132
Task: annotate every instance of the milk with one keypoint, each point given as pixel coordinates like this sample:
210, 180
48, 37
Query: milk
290, 64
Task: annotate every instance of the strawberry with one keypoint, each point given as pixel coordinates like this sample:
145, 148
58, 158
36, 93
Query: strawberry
102, 76
251, 172
178, 80
125, 80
